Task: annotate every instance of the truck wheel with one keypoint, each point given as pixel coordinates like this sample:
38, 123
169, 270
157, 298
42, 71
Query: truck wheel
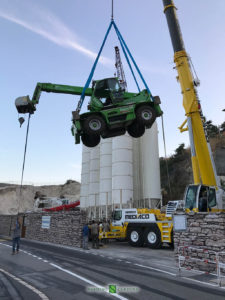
90, 140
153, 237
135, 237
172, 243
145, 115
136, 130
94, 124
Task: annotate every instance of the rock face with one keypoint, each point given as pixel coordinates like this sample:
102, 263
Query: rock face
180, 168
12, 201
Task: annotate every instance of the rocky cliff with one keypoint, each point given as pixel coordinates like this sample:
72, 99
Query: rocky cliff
12, 200
180, 169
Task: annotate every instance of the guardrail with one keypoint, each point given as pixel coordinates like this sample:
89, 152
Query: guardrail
216, 258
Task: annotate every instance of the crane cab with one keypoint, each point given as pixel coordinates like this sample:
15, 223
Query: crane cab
203, 198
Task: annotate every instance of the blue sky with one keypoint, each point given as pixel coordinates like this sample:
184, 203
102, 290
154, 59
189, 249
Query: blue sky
56, 41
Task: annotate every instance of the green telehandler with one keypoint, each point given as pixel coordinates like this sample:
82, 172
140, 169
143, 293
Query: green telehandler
111, 110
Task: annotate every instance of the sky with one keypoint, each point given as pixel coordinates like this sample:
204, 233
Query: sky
57, 41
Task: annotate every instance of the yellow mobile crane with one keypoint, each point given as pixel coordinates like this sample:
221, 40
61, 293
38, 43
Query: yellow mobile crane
205, 194
150, 226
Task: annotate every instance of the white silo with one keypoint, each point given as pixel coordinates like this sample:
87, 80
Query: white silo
105, 189
150, 168
93, 197
85, 174
122, 171
137, 180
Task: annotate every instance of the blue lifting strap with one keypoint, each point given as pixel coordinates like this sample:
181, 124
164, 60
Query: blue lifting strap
93, 70
127, 59
128, 51
125, 51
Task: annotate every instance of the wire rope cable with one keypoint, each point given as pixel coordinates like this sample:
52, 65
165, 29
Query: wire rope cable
167, 168
25, 152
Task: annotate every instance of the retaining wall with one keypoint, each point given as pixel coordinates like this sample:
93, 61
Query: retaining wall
202, 241
64, 228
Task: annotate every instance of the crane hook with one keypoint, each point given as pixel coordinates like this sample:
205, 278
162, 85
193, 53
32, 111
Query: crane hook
21, 121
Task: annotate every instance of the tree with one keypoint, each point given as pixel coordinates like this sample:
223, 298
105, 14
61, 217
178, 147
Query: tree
180, 150
211, 129
222, 127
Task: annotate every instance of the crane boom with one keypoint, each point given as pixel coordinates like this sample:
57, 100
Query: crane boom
202, 164
119, 69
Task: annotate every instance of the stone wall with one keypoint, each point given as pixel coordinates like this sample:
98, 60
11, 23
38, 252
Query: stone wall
65, 227
202, 241
6, 223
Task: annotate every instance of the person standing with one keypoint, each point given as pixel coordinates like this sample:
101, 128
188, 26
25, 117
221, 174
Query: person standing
16, 237
106, 228
85, 237
94, 235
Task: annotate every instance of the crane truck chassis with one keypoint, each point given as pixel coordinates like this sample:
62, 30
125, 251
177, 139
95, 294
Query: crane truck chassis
140, 227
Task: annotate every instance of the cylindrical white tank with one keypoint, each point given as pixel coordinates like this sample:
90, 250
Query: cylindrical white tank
105, 188
85, 174
93, 198
150, 168
122, 171
137, 182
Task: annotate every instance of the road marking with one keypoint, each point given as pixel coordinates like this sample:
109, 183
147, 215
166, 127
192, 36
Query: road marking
88, 281
46, 261
119, 259
127, 262
155, 269
36, 291
207, 283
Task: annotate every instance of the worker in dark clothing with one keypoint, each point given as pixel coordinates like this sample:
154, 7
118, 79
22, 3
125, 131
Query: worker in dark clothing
94, 235
106, 228
85, 237
16, 234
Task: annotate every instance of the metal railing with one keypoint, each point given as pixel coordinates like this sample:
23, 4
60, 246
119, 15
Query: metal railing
216, 259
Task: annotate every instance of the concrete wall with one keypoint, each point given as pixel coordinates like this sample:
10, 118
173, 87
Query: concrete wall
65, 227
206, 235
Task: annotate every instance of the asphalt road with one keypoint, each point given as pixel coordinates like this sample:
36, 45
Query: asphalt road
43, 271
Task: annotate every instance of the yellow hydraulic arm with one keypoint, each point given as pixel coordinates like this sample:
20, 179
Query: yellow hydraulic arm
202, 165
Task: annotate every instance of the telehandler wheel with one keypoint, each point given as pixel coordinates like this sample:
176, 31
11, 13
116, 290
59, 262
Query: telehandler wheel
90, 140
135, 237
145, 115
94, 124
152, 237
136, 130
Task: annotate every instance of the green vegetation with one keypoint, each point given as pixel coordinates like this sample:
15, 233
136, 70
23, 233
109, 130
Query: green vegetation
179, 173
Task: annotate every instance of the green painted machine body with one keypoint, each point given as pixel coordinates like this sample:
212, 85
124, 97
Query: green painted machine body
110, 107
115, 106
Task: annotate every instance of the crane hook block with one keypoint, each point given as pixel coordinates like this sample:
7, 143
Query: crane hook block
21, 121
24, 105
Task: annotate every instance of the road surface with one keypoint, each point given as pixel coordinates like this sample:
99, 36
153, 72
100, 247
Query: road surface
43, 271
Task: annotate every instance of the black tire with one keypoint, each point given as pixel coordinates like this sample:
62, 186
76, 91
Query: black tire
94, 124
90, 140
152, 237
135, 237
136, 130
172, 243
145, 115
